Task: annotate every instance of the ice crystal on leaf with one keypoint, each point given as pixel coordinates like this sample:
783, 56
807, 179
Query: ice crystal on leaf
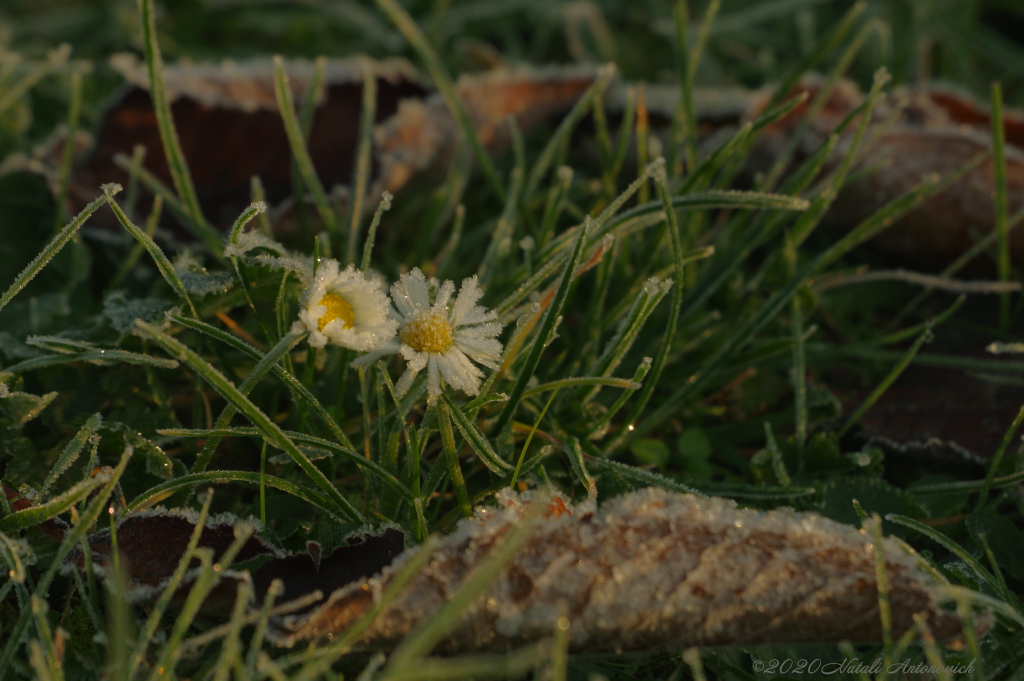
442, 341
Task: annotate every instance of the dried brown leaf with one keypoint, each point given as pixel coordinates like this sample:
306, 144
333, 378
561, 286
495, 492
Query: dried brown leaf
648, 570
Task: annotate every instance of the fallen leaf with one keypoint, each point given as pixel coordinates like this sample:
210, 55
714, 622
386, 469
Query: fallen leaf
649, 569
926, 132
151, 543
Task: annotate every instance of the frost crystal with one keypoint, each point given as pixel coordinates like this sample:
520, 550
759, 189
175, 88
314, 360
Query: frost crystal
346, 308
443, 342
648, 570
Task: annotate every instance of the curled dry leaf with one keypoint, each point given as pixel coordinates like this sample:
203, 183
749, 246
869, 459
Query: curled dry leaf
650, 569
927, 132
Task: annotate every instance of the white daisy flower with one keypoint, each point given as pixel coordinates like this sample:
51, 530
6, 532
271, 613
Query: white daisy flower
443, 342
346, 308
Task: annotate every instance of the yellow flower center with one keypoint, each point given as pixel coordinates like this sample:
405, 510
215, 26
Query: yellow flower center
336, 308
428, 332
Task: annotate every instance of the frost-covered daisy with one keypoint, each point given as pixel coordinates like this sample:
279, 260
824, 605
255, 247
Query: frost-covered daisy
344, 307
443, 342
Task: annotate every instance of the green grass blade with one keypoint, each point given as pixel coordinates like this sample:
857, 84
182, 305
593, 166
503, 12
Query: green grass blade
477, 440
67, 154
554, 311
439, 74
267, 427
297, 141
638, 475
371, 234
623, 383
176, 162
155, 252
564, 131
361, 171
575, 453
58, 242
300, 391
451, 456
71, 452
94, 356
51, 509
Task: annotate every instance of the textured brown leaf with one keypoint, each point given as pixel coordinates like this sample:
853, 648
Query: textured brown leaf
936, 130
651, 569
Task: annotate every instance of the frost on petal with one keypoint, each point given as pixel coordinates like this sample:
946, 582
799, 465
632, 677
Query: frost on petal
444, 293
489, 330
387, 348
459, 372
410, 293
486, 351
405, 382
433, 379
416, 360
464, 304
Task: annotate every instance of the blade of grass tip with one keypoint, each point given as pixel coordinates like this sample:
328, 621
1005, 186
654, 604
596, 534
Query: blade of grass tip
248, 214
155, 252
560, 645
58, 242
679, 281
422, 641
153, 620
71, 452
778, 465
361, 171
371, 234
908, 357
597, 430
551, 316
239, 401
176, 162
999, 179
258, 195
67, 153
128, 264
16, 632
529, 438
297, 142
874, 526
575, 454
993, 465
564, 131
439, 74
452, 457
34, 515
